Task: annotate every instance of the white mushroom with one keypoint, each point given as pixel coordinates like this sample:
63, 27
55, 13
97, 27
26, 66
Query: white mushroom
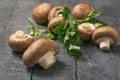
81, 10
85, 31
56, 11
40, 12
41, 51
54, 22
19, 41
104, 37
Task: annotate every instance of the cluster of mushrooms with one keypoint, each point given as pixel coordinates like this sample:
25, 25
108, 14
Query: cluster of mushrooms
42, 51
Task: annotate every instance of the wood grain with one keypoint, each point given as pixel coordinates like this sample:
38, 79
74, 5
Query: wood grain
95, 65
13, 16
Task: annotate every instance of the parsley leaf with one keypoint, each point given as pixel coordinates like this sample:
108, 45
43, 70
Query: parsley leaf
66, 13
68, 35
100, 24
49, 35
33, 31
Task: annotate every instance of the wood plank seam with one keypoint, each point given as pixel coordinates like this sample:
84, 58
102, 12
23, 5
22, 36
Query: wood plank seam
8, 18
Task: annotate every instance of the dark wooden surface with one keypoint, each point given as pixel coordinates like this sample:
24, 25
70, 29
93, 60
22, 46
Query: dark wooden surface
96, 65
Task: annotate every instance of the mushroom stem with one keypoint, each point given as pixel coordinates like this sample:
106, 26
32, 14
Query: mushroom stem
19, 34
105, 44
47, 60
59, 14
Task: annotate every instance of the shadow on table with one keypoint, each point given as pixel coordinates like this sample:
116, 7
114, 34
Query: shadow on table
116, 49
17, 54
58, 67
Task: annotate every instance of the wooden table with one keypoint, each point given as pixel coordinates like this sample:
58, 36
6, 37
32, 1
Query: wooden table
96, 65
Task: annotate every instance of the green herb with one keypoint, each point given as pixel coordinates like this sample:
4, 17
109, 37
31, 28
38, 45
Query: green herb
100, 24
68, 35
91, 18
49, 35
33, 31
66, 13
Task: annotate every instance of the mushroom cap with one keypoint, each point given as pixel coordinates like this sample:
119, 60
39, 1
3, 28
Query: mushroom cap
54, 22
55, 12
105, 31
38, 49
81, 10
20, 44
40, 12
86, 30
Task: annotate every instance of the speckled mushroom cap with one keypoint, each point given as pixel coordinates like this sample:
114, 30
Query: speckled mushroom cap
55, 12
38, 49
85, 31
81, 10
54, 22
105, 31
20, 44
40, 12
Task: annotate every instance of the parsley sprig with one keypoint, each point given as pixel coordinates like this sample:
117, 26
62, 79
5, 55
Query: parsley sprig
91, 18
37, 32
68, 35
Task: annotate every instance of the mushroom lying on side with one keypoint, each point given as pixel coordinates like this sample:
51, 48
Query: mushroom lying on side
40, 12
54, 22
56, 11
41, 51
85, 31
19, 41
81, 10
104, 37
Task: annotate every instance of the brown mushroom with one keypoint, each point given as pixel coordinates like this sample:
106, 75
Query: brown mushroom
40, 12
104, 37
81, 10
85, 31
19, 41
54, 22
56, 11
41, 51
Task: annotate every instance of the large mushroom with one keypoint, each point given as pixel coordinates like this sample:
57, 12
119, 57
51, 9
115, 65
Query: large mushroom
56, 11
54, 22
85, 31
40, 12
81, 10
105, 36
42, 52
19, 41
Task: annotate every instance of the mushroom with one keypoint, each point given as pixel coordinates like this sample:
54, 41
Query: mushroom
19, 41
104, 37
85, 31
56, 11
40, 12
42, 52
54, 22
81, 10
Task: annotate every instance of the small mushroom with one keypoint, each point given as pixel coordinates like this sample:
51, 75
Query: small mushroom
85, 31
104, 37
81, 10
19, 41
56, 11
40, 12
54, 22
42, 52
